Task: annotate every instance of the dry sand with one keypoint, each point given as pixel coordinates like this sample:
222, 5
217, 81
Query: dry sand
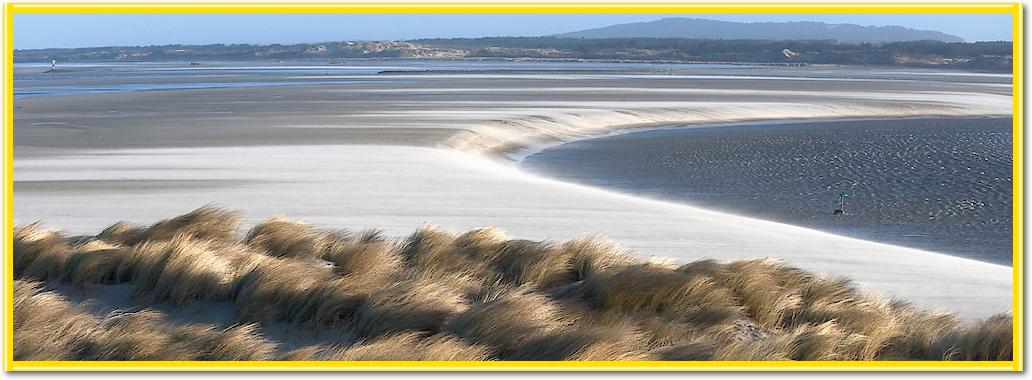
399, 151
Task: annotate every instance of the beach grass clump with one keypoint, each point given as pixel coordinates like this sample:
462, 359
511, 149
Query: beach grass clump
280, 237
122, 233
239, 342
94, 262
39, 253
49, 327
266, 292
310, 352
990, 339
591, 255
46, 327
658, 332
818, 342
362, 265
479, 244
772, 348
437, 295
430, 249
922, 334
869, 320
506, 320
649, 288
467, 258
184, 269
539, 264
411, 305
205, 223
756, 285
334, 303
366, 258
412, 345
436, 252
145, 335
611, 343
125, 336
692, 351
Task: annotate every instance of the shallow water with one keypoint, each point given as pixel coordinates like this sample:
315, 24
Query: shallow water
936, 184
37, 79
68, 78
21, 92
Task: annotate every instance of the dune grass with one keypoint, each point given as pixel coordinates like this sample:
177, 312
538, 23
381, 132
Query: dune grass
416, 305
437, 295
505, 321
49, 327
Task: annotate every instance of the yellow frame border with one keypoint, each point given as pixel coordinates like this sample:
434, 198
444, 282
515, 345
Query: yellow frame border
1013, 8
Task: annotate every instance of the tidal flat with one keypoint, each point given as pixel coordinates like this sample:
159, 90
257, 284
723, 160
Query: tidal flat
941, 184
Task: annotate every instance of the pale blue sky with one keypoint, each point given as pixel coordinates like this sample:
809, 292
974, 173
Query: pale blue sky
80, 30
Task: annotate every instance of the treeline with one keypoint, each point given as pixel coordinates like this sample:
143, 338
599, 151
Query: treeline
993, 56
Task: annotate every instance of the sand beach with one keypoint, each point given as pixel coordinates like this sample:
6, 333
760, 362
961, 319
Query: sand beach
403, 150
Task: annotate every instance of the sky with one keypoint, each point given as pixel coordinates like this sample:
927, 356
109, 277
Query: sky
32, 31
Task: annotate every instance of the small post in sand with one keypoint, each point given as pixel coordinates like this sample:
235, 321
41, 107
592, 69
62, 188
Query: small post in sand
841, 210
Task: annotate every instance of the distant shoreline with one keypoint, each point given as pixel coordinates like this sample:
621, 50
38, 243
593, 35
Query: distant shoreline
343, 62
983, 56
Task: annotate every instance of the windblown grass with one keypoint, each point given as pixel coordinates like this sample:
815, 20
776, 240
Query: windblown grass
414, 305
436, 295
506, 321
205, 223
611, 343
94, 262
650, 288
122, 233
280, 237
366, 257
184, 269
265, 292
413, 346
592, 255
39, 253
333, 303
537, 264
48, 327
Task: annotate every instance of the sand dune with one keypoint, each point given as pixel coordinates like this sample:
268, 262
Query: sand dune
437, 295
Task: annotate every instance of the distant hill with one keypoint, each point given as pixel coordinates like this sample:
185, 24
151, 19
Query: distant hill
724, 30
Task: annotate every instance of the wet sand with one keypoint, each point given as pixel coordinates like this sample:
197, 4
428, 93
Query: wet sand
505, 111
121, 185
398, 151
